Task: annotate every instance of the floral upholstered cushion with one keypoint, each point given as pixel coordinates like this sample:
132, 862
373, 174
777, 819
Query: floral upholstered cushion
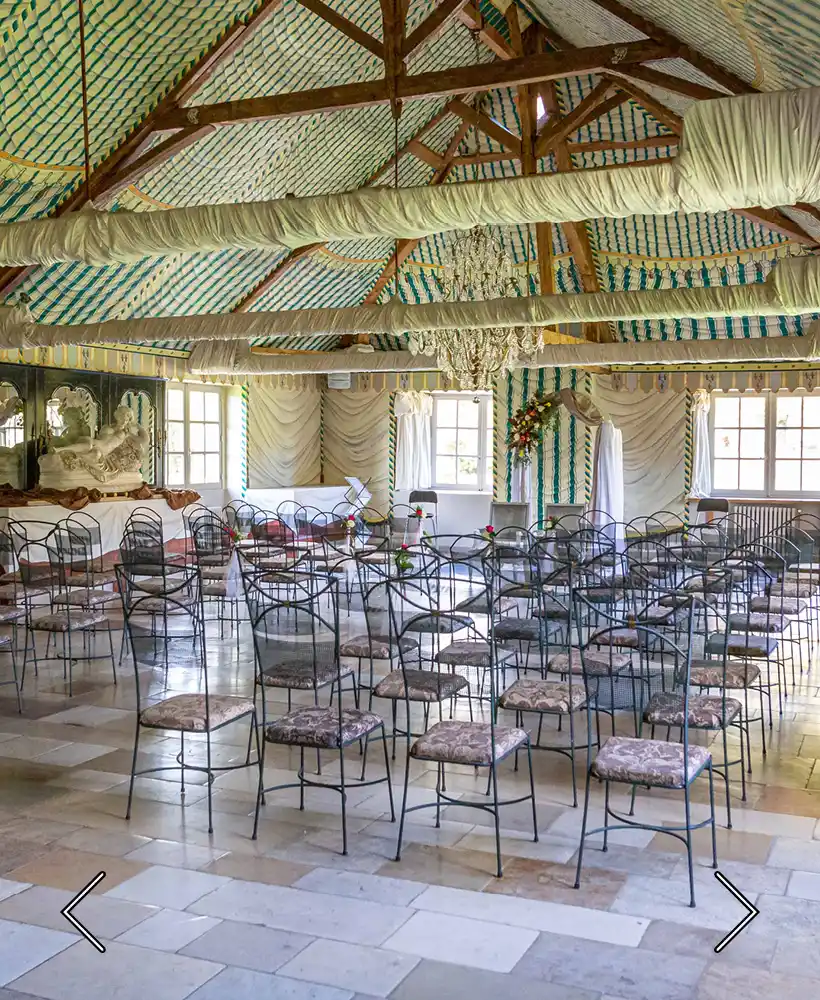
627, 637
602, 595
655, 615
422, 685
6, 642
472, 653
320, 728
82, 598
523, 629
751, 646
710, 673
63, 622
796, 588
552, 609
302, 675
213, 572
96, 578
10, 592
478, 604
468, 743
378, 647
597, 664
531, 694
705, 711
679, 599
215, 588
520, 590
9, 615
757, 621
157, 605
158, 586
219, 559
649, 762
439, 622
187, 712
778, 605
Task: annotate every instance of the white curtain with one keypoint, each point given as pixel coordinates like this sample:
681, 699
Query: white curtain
702, 463
608, 478
414, 411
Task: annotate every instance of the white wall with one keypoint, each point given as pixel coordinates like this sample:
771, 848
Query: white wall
458, 513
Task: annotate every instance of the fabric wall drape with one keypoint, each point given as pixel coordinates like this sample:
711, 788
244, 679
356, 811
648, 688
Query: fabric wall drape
608, 477
283, 437
356, 440
702, 458
414, 411
654, 431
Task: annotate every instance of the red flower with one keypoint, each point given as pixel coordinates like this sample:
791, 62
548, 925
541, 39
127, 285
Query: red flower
489, 529
405, 545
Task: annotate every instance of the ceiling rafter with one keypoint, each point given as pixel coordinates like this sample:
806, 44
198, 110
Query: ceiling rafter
471, 17
345, 25
598, 102
134, 143
484, 123
460, 79
674, 84
432, 26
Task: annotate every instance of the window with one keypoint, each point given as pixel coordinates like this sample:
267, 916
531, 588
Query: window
463, 441
766, 445
193, 421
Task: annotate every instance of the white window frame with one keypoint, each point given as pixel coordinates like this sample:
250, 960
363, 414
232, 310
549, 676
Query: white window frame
769, 492
485, 417
187, 388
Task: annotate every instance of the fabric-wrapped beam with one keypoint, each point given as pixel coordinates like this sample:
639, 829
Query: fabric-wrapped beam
737, 153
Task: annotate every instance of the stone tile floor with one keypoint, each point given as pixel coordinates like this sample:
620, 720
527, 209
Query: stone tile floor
186, 914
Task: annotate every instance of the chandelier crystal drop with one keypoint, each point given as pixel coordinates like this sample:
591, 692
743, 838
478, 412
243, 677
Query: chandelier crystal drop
476, 268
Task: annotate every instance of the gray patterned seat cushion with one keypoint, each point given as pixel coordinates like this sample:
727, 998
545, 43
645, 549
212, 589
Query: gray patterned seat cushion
757, 621
10, 592
187, 712
9, 615
215, 588
523, 629
597, 664
212, 572
531, 694
679, 599
470, 743
422, 685
602, 595
82, 598
378, 647
796, 588
6, 642
440, 623
302, 675
705, 711
172, 604
709, 673
319, 727
778, 605
472, 653
478, 604
63, 622
753, 647
158, 586
552, 609
219, 559
649, 762
93, 578
629, 638
655, 616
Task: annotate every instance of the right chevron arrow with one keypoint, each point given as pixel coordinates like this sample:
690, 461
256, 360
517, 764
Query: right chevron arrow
752, 912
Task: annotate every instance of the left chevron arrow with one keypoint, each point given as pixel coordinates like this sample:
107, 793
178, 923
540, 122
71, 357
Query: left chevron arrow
66, 912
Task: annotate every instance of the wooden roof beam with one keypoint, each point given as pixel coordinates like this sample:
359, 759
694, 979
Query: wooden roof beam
256, 293
425, 154
598, 102
673, 84
489, 126
461, 79
432, 26
471, 17
345, 26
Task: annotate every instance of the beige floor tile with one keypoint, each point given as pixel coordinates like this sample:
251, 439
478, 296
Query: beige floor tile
462, 869
67, 869
552, 882
257, 869
732, 845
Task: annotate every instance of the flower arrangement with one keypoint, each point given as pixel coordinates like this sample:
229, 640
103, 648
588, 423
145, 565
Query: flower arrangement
237, 536
528, 425
419, 512
488, 532
350, 524
403, 559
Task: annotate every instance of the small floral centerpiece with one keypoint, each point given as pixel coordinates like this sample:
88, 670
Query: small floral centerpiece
488, 532
237, 536
402, 559
528, 426
350, 524
419, 512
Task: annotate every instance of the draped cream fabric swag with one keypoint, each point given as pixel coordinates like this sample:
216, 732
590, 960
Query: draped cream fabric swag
283, 436
414, 467
739, 152
356, 440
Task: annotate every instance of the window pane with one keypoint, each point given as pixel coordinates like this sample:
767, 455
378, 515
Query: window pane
468, 413
726, 443
196, 439
787, 443
811, 411
176, 470
788, 411
752, 444
752, 476
197, 469
468, 472
211, 405
467, 442
196, 405
176, 404
787, 476
811, 477
725, 475
753, 411
445, 442
176, 437
445, 470
811, 443
212, 470
446, 412
726, 411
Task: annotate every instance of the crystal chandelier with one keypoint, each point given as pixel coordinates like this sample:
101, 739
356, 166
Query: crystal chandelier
476, 268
